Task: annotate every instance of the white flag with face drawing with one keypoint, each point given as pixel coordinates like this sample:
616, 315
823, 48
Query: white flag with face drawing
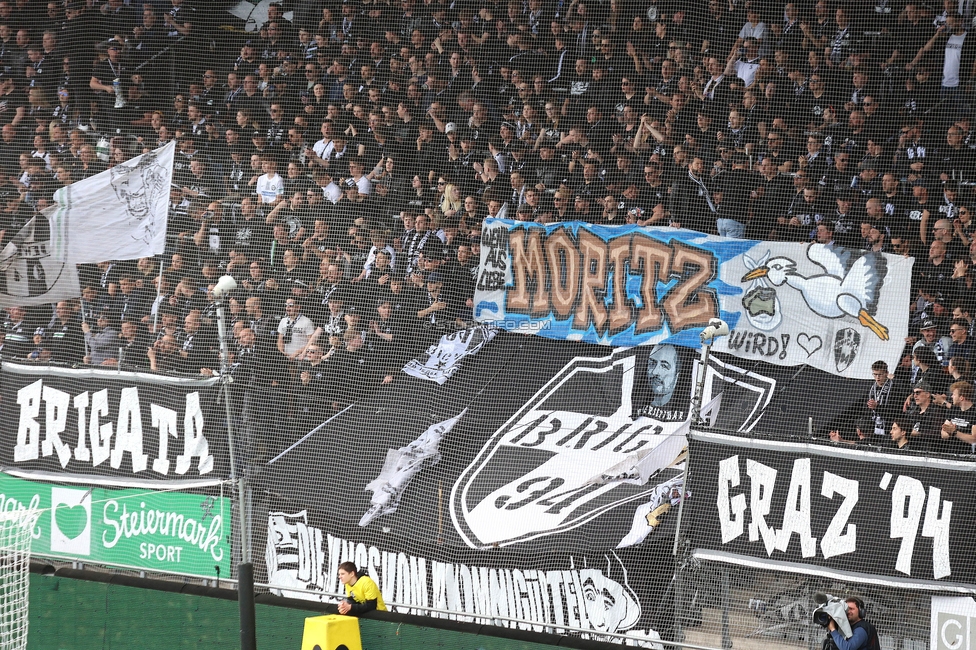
119, 214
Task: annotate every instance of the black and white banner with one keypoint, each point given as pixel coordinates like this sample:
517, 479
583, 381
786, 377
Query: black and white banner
845, 513
119, 424
442, 360
599, 594
548, 470
30, 273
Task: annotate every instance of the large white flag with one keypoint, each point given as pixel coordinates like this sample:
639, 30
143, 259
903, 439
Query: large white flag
30, 274
119, 214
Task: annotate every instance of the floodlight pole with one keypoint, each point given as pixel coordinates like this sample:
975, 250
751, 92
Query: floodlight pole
708, 335
245, 570
696, 401
716, 328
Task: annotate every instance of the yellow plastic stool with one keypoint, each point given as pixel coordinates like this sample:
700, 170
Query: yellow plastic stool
330, 632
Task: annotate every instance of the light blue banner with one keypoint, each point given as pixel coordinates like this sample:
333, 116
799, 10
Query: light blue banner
786, 303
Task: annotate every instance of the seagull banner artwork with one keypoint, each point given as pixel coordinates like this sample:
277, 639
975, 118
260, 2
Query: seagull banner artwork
785, 303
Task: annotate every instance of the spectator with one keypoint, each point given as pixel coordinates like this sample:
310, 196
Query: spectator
102, 343
313, 383
959, 428
63, 340
961, 346
900, 435
295, 331
926, 418
269, 187
164, 355
18, 334
196, 347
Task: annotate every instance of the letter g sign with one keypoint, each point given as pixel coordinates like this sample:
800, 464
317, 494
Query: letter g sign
953, 632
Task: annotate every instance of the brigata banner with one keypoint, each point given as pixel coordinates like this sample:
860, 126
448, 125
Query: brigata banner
881, 518
141, 529
787, 304
103, 422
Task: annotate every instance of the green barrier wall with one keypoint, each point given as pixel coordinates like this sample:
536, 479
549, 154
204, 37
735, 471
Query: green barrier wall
69, 614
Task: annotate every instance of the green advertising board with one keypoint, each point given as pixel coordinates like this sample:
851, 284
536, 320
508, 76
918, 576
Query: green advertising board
152, 530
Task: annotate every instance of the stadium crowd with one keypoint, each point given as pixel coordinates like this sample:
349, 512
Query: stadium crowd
340, 160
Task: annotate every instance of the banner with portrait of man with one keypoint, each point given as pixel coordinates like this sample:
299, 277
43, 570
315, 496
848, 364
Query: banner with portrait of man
119, 214
663, 382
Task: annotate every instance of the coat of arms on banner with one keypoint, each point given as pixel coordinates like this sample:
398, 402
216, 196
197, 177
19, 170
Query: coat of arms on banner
29, 273
533, 478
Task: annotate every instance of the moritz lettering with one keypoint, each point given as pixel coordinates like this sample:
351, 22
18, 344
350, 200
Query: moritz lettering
575, 276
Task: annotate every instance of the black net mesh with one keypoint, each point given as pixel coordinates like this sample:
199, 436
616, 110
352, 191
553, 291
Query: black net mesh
452, 227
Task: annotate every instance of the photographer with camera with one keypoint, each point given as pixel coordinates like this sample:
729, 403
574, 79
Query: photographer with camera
863, 636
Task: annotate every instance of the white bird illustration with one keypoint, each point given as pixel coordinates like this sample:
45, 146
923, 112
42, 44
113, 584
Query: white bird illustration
850, 285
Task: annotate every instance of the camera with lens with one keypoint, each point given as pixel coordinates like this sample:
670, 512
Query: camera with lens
832, 608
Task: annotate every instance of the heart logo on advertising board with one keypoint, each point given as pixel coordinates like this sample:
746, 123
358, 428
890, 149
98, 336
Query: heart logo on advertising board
71, 520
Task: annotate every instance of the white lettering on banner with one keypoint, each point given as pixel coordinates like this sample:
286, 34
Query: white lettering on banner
35, 441
128, 435
907, 501
911, 507
160, 552
762, 480
56, 418
195, 445
303, 562
835, 541
164, 420
25, 515
150, 522
731, 510
796, 514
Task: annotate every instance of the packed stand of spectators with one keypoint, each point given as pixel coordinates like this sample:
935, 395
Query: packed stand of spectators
339, 163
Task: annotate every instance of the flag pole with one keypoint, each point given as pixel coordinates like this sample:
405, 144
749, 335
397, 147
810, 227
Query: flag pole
84, 321
159, 287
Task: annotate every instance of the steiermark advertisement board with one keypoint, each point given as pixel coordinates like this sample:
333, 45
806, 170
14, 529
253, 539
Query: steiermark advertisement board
152, 530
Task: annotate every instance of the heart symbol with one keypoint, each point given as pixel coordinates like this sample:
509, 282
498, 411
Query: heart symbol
810, 344
70, 520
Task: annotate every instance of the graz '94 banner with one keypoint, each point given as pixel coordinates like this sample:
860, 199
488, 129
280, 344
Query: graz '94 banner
889, 519
789, 304
126, 425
